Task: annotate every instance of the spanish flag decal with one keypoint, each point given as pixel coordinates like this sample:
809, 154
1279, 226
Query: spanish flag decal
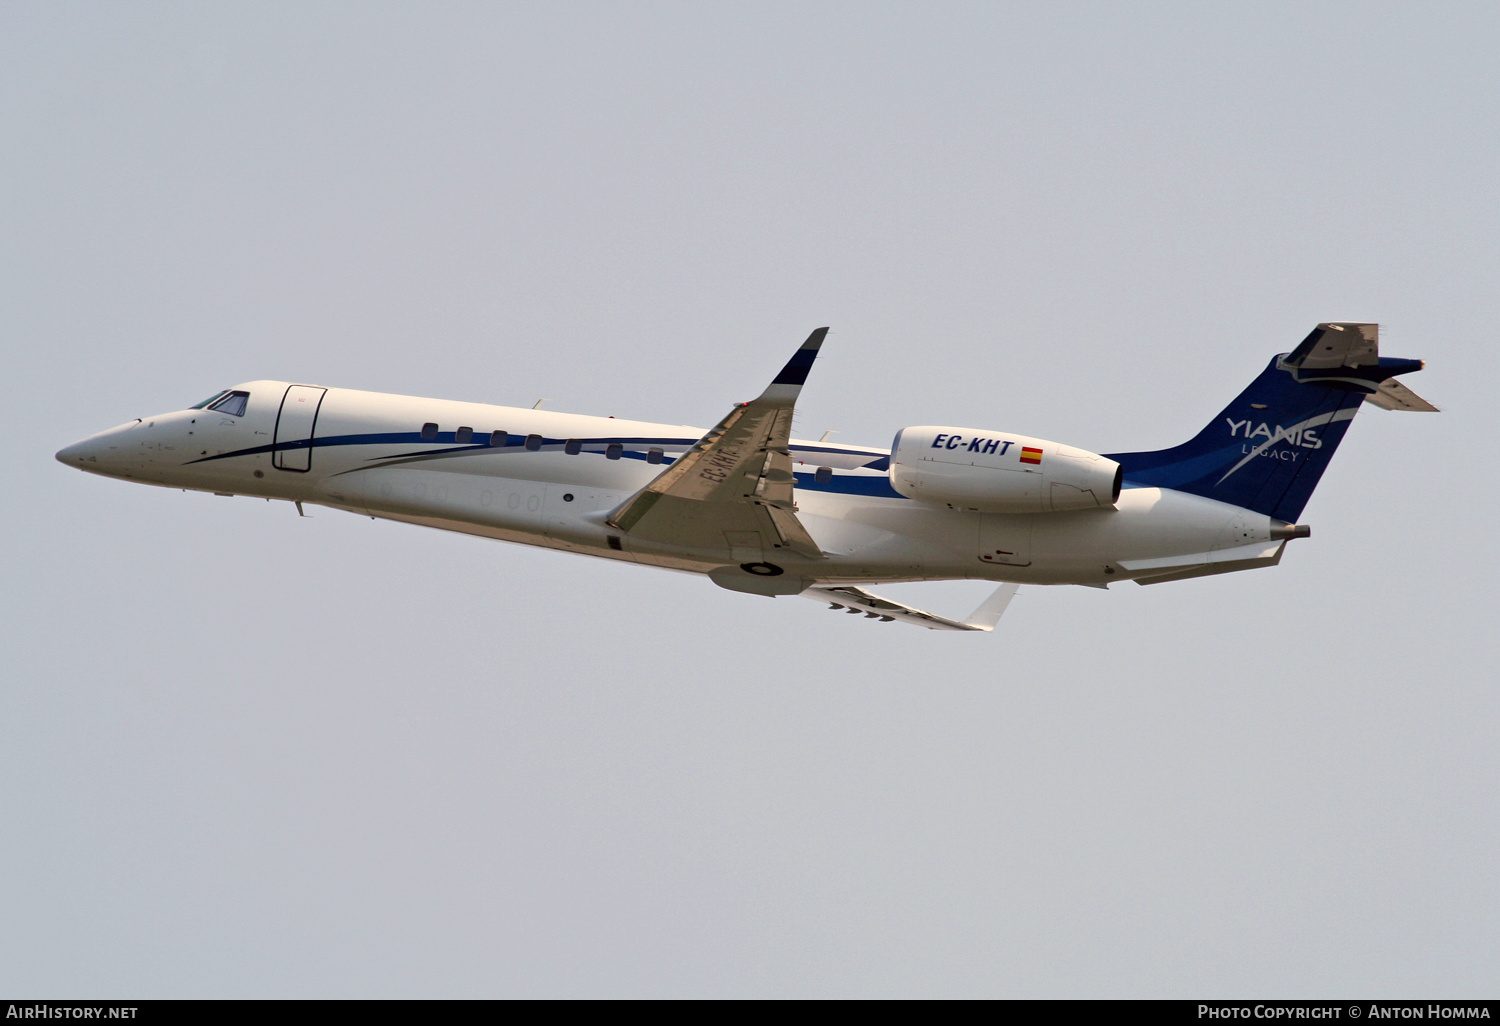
1033, 456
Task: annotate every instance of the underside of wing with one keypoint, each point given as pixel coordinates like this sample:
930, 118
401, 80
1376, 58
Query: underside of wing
850, 599
732, 491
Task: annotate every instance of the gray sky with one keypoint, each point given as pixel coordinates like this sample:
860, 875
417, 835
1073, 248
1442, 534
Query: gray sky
246, 754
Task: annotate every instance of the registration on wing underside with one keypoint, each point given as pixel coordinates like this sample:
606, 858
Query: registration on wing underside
737, 478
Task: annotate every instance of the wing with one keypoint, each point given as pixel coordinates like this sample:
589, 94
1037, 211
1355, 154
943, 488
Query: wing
733, 490
857, 600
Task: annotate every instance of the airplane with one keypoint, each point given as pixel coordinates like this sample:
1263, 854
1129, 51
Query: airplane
758, 512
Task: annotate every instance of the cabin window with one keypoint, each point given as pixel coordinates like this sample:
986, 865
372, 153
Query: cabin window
823, 475
533, 443
614, 451
429, 431
464, 435
574, 447
498, 438
232, 403
654, 455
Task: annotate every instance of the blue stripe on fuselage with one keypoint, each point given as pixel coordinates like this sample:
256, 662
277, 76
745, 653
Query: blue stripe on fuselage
387, 438
839, 484
849, 484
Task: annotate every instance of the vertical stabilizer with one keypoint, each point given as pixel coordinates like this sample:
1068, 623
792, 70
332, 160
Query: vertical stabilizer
1267, 450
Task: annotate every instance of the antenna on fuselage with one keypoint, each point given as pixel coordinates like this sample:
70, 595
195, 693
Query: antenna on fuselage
538, 405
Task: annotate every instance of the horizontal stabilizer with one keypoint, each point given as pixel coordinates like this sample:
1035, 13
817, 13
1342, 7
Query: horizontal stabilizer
1392, 395
850, 599
1336, 344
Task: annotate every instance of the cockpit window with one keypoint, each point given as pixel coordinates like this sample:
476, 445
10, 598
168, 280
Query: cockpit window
232, 403
212, 398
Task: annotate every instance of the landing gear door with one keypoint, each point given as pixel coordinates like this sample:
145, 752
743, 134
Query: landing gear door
295, 424
1005, 539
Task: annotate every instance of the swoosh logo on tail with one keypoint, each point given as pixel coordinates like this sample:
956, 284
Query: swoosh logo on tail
1286, 433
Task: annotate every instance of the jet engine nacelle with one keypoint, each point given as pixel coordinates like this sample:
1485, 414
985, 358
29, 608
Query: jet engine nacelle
972, 469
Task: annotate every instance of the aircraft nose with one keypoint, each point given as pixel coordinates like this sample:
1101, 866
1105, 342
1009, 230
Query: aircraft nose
79, 452
102, 453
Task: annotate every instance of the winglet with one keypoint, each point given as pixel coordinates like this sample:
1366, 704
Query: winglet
991, 609
787, 385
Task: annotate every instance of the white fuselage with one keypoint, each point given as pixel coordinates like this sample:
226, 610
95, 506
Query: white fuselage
367, 455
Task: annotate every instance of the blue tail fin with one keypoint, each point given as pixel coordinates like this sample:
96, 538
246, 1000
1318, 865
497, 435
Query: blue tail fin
1268, 448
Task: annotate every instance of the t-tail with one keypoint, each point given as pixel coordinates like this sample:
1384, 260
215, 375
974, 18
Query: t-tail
1269, 447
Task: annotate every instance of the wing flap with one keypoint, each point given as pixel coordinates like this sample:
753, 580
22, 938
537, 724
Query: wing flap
793, 535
